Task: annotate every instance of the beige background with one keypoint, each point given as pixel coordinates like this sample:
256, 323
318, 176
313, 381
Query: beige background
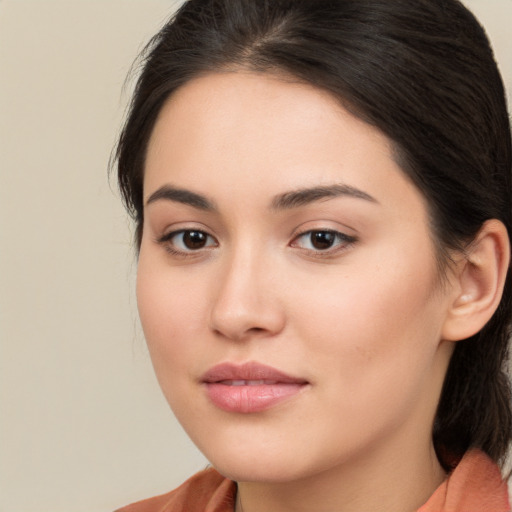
83, 427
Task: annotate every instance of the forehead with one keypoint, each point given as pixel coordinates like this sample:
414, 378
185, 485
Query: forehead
259, 123
248, 95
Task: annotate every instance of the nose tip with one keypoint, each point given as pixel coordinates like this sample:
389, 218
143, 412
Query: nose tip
246, 306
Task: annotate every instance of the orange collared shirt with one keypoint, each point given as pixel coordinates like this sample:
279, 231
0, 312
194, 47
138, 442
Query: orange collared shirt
475, 485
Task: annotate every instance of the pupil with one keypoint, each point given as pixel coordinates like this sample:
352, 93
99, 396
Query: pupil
194, 239
322, 239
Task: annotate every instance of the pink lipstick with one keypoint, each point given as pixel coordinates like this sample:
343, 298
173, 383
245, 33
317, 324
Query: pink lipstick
250, 387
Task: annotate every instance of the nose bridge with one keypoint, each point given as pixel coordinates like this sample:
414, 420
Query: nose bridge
245, 303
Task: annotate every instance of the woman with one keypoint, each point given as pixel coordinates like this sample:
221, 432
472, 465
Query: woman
321, 191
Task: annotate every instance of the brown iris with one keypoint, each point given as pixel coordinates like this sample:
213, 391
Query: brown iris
322, 239
194, 239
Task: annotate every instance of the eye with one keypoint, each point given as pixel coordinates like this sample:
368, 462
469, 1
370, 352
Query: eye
322, 240
187, 240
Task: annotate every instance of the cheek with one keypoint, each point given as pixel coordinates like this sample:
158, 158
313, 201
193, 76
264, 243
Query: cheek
374, 320
171, 317
375, 342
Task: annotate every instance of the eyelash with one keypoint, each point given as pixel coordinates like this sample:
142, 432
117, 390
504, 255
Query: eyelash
341, 242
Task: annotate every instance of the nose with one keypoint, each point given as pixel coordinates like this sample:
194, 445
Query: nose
247, 302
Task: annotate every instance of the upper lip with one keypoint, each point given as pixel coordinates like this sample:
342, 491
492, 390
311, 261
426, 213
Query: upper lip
251, 371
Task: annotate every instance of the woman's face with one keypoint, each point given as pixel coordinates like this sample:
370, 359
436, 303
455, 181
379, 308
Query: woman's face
287, 281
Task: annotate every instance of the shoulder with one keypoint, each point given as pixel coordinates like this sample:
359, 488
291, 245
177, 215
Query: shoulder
206, 490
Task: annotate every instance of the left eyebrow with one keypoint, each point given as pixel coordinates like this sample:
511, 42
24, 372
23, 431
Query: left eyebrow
306, 196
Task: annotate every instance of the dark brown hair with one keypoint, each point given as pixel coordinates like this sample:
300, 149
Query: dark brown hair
422, 72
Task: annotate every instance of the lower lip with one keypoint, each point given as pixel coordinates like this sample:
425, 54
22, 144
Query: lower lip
248, 399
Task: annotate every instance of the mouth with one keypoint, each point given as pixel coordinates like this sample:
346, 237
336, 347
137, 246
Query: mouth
248, 382
249, 388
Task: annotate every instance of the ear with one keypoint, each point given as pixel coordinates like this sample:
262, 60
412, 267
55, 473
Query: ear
478, 282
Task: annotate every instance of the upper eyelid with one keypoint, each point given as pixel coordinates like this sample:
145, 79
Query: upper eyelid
344, 231
173, 230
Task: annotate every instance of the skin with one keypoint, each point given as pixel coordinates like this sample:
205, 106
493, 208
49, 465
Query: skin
362, 321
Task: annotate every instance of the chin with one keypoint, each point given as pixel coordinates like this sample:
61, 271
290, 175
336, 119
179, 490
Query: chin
265, 463
251, 464
263, 471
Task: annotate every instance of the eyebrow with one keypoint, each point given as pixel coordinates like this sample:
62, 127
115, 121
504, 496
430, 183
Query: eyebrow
285, 201
306, 196
180, 195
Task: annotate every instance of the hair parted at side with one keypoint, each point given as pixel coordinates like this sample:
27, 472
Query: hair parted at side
420, 71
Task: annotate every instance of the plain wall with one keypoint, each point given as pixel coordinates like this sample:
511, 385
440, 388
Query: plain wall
83, 425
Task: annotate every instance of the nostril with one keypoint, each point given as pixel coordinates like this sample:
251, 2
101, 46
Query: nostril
241, 334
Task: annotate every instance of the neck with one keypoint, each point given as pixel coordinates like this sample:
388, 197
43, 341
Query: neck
391, 481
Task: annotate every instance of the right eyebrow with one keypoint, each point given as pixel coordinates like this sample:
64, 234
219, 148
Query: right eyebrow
180, 195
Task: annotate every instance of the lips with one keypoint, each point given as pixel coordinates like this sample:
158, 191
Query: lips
249, 388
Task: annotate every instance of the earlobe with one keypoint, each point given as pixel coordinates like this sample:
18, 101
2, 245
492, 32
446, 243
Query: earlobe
480, 279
